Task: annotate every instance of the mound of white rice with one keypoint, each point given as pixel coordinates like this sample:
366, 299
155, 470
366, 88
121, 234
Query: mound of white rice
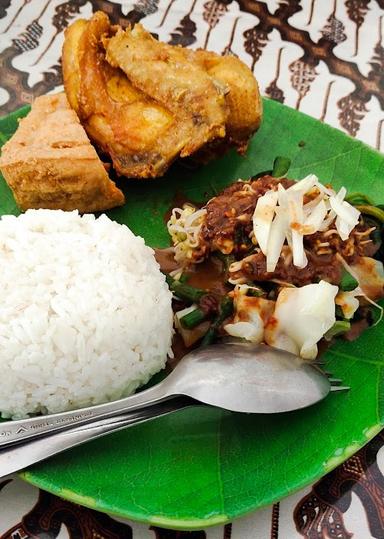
85, 313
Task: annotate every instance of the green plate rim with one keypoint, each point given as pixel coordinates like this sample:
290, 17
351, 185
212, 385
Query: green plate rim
199, 524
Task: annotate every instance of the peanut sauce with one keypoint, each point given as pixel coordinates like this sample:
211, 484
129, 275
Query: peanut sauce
232, 209
208, 275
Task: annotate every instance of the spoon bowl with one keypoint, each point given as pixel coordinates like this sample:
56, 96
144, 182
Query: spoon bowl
245, 377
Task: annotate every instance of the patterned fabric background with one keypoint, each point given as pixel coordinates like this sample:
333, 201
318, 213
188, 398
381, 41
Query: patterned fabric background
324, 57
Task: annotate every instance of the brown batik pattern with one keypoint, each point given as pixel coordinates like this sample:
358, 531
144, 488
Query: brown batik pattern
50, 513
352, 107
320, 513
185, 33
16, 82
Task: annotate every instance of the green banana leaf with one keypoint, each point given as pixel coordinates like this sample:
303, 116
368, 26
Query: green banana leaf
203, 466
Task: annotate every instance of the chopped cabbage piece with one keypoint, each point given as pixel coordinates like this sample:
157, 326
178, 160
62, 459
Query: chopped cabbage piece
302, 316
283, 217
262, 218
251, 315
348, 302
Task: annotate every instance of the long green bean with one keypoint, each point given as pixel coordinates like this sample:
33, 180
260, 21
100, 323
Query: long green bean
225, 259
338, 328
359, 198
193, 319
348, 282
374, 211
184, 291
226, 309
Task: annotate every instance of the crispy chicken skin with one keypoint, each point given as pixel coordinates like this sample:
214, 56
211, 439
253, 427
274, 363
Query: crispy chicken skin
146, 103
172, 75
50, 163
126, 125
181, 86
140, 134
243, 98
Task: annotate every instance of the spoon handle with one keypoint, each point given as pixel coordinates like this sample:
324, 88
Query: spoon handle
14, 432
18, 457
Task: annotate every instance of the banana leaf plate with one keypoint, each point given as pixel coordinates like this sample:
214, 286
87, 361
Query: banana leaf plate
202, 467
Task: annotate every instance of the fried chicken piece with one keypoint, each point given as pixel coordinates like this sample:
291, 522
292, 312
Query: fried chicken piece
165, 73
242, 98
119, 119
50, 163
142, 132
165, 102
173, 76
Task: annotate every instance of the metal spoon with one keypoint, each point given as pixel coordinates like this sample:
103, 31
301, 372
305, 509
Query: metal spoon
236, 376
19, 456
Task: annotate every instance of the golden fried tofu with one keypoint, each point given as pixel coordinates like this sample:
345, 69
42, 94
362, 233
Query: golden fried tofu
50, 163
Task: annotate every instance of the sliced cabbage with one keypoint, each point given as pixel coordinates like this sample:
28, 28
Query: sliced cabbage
296, 220
306, 184
348, 302
315, 218
347, 215
369, 273
299, 257
277, 237
302, 316
285, 218
251, 315
250, 331
262, 218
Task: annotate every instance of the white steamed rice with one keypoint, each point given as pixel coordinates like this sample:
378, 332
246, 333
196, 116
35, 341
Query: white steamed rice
85, 313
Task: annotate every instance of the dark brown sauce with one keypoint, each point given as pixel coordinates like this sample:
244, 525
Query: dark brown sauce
164, 258
322, 347
209, 276
357, 328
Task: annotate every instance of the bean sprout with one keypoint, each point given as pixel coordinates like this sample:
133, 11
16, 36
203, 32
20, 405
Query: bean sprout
184, 228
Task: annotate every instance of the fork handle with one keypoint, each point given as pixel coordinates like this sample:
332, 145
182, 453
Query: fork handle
13, 432
18, 457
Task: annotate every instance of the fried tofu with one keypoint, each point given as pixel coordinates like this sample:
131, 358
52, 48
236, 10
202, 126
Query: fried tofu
50, 163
